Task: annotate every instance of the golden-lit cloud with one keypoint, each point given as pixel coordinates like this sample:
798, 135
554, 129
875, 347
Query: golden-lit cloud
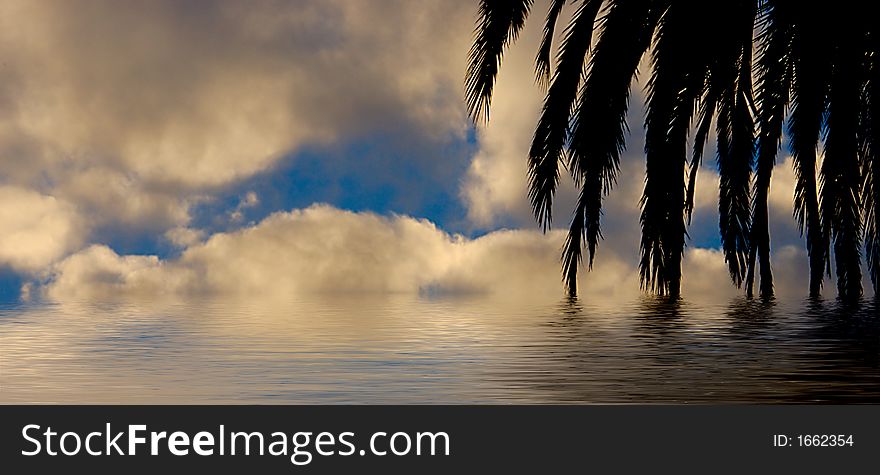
35, 229
134, 111
182, 237
322, 249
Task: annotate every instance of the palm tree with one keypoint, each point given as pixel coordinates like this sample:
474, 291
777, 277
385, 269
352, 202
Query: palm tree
815, 71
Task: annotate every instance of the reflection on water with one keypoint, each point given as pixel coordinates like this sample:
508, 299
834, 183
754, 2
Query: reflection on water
409, 350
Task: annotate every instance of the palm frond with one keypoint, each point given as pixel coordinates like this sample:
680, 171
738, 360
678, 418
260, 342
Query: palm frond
869, 131
573, 249
548, 145
704, 126
774, 84
674, 90
498, 25
841, 175
599, 126
809, 89
819, 66
736, 137
542, 61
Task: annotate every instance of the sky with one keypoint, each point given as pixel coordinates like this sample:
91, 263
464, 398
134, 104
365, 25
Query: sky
168, 149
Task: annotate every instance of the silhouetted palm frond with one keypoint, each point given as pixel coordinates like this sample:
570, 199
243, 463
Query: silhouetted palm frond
708, 102
736, 136
715, 79
551, 135
809, 90
869, 129
841, 174
599, 126
670, 106
499, 24
817, 78
542, 61
774, 83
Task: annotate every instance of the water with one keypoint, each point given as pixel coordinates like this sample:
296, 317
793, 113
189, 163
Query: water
393, 349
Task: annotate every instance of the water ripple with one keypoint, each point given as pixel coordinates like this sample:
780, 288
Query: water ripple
371, 349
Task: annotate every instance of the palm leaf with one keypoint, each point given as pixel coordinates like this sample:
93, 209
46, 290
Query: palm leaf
551, 134
673, 92
841, 176
736, 136
774, 84
869, 129
809, 89
498, 25
704, 125
542, 61
599, 124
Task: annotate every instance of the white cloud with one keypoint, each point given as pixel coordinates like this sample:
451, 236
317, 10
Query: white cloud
35, 229
326, 250
249, 200
782, 187
135, 111
184, 237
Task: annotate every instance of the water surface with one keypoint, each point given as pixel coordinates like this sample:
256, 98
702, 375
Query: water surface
391, 349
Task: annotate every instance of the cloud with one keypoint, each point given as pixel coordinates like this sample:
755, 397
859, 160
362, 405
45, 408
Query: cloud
249, 200
183, 237
782, 187
35, 229
316, 250
322, 249
136, 111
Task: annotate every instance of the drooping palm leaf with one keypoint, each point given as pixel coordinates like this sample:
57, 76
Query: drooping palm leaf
731, 75
819, 64
708, 102
551, 135
599, 126
809, 89
498, 25
542, 61
673, 91
774, 84
841, 175
869, 131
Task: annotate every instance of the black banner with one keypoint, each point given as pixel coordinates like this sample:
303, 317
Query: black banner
395, 439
